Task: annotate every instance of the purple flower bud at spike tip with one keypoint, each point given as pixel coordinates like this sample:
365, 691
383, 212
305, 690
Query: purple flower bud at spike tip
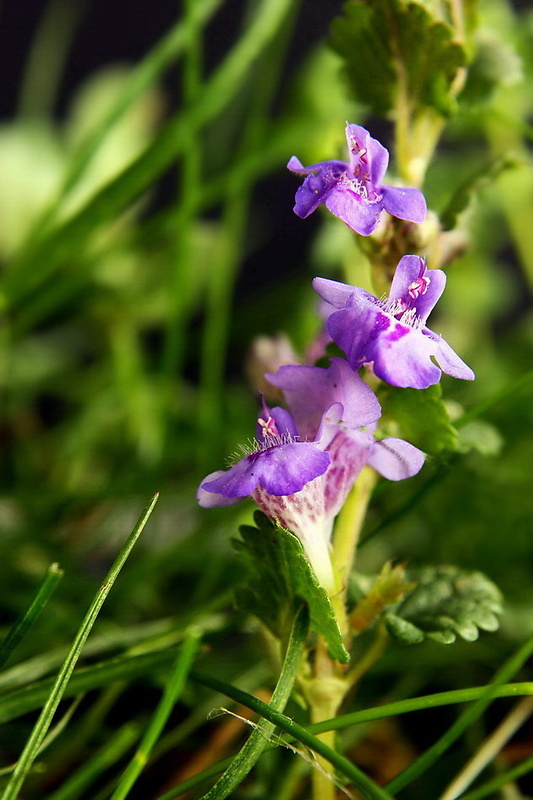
353, 190
391, 334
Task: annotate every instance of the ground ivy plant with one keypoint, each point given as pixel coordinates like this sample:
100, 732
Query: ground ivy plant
312, 464
302, 587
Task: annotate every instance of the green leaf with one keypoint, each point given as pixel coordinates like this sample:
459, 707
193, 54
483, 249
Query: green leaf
447, 602
483, 177
495, 64
278, 578
419, 416
395, 46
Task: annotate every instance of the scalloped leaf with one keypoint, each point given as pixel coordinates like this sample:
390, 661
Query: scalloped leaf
384, 42
447, 602
420, 416
278, 578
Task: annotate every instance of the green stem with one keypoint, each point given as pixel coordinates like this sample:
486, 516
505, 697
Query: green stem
346, 537
362, 782
258, 740
370, 656
324, 694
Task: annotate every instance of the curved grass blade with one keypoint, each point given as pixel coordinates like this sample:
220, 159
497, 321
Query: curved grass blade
172, 692
21, 627
452, 697
45, 718
258, 739
107, 756
351, 772
501, 780
466, 719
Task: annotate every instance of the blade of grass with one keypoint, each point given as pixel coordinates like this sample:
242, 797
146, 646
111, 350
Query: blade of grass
35, 668
490, 749
422, 703
172, 692
48, 251
360, 780
463, 722
32, 697
26, 620
52, 735
45, 718
501, 780
142, 77
258, 739
49, 51
107, 756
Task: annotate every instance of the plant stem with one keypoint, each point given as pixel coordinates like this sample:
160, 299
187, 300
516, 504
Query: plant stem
324, 695
346, 536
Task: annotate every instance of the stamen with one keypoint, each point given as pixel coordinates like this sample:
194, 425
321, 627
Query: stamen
268, 427
419, 287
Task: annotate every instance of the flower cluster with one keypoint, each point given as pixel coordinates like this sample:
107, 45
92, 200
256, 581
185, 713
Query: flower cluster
305, 458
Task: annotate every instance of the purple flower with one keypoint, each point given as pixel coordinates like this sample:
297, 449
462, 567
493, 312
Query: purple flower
391, 334
304, 463
353, 191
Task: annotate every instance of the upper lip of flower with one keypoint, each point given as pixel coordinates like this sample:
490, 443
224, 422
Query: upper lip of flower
391, 333
353, 191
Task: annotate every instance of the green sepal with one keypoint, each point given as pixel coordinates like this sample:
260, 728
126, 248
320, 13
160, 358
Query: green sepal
447, 602
386, 42
278, 578
420, 416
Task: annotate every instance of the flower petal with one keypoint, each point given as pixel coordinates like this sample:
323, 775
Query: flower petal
402, 357
448, 360
211, 499
395, 459
408, 204
409, 270
376, 157
333, 292
281, 469
353, 209
309, 391
356, 327
295, 165
313, 191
